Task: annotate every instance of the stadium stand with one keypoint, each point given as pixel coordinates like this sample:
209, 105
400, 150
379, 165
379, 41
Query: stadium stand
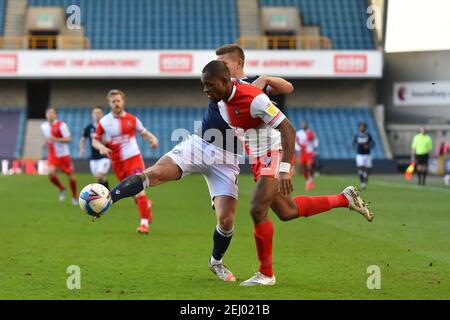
12, 128
335, 127
2, 14
131, 24
343, 21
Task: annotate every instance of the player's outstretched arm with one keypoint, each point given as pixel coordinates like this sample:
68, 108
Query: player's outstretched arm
276, 85
128, 187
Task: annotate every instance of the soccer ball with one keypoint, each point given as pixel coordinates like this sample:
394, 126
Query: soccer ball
94, 199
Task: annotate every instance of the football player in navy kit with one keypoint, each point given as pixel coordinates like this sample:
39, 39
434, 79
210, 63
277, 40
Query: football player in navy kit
363, 143
211, 151
98, 163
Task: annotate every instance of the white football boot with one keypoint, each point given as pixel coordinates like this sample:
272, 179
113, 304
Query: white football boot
221, 270
74, 201
259, 279
356, 203
62, 196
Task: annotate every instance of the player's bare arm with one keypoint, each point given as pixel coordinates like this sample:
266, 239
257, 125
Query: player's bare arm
81, 146
276, 85
151, 138
101, 147
287, 132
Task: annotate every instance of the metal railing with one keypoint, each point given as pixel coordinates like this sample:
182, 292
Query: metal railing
44, 42
305, 42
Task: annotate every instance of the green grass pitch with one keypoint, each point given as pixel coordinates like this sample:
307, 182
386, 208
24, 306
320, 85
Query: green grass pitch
322, 257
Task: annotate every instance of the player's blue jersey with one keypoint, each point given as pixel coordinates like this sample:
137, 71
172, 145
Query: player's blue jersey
363, 142
213, 120
88, 131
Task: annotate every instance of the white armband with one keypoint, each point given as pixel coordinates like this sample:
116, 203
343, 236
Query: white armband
285, 167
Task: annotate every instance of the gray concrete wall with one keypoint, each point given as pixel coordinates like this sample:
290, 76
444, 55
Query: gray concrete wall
138, 92
414, 66
352, 93
189, 92
13, 93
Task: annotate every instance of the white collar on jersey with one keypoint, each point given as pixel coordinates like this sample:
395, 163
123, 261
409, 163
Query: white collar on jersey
233, 92
120, 116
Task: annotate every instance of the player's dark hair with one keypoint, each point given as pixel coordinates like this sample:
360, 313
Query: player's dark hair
231, 48
362, 123
217, 68
97, 107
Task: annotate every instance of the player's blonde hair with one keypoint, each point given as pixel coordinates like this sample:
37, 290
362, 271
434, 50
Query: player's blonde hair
115, 92
231, 48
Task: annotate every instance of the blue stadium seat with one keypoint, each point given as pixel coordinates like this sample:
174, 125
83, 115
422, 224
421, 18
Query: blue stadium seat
343, 21
2, 14
335, 127
155, 24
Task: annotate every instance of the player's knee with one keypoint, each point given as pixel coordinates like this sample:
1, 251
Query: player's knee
226, 222
155, 175
257, 212
283, 217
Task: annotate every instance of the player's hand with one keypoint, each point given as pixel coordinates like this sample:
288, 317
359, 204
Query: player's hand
105, 151
81, 152
260, 83
285, 184
154, 143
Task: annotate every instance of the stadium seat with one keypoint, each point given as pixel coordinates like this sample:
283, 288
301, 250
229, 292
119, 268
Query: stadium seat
155, 24
2, 14
335, 127
343, 21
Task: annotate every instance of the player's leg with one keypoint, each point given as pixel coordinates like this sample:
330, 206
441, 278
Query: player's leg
98, 172
102, 179
287, 208
223, 188
144, 206
299, 163
164, 170
102, 171
172, 166
309, 167
368, 168
133, 166
225, 208
263, 196
65, 165
55, 181
73, 187
364, 174
360, 167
